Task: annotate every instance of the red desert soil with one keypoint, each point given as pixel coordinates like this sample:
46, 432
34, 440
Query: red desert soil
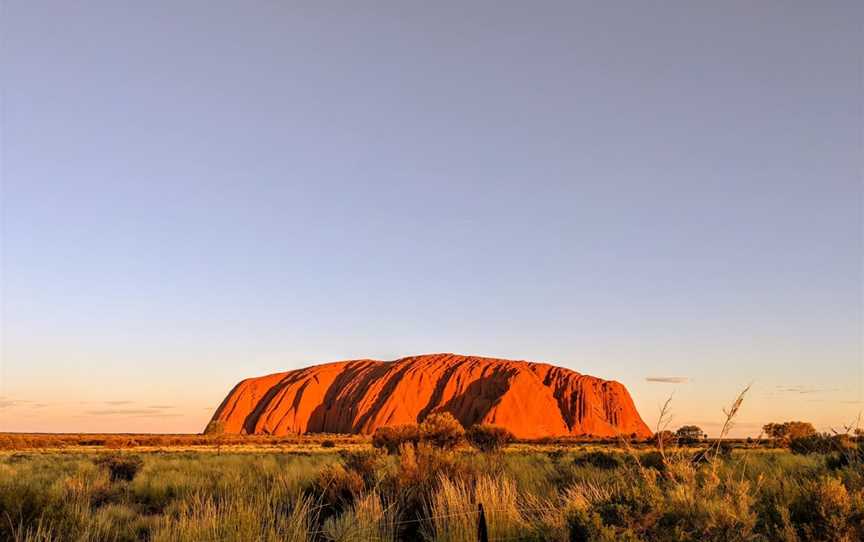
530, 399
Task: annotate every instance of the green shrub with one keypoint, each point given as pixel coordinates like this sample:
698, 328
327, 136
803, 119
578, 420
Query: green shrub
823, 511
442, 430
488, 438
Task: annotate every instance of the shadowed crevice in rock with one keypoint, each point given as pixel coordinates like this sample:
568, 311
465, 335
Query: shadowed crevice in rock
435, 400
392, 380
327, 415
251, 420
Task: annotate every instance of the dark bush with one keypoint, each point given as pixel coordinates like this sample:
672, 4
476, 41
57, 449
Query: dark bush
336, 487
328, 444
585, 526
822, 443
364, 462
556, 454
849, 455
488, 438
391, 438
600, 460
811, 444
653, 460
121, 467
442, 430
664, 437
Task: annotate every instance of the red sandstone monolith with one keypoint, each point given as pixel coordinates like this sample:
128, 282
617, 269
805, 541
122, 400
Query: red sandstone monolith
530, 399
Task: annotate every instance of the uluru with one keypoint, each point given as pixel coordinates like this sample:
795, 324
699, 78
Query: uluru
530, 399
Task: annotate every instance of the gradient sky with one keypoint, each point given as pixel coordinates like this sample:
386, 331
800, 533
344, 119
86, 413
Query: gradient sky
669, 195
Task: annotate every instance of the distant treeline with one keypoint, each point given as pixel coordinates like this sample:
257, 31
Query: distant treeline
25, 441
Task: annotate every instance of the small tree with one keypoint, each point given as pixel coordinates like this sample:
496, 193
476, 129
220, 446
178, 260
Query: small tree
788, 431
689, 434
488, 438
392, 438
442, 430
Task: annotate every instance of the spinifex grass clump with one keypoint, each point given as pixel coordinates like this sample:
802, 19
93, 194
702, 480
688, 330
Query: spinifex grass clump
121, 467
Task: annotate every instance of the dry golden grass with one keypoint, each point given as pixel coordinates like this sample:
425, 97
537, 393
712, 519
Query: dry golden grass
55, 488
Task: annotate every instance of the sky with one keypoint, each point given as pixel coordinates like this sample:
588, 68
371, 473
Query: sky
198, 192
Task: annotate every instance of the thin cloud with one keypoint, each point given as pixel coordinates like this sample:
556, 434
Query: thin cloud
150, 412
160, 406
9, 403
805, 390
118, 402
119, 412
739, 424
668, 379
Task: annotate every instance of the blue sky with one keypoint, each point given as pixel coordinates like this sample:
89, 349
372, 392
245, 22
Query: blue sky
196, 193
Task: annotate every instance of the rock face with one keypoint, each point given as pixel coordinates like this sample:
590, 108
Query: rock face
530, 399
